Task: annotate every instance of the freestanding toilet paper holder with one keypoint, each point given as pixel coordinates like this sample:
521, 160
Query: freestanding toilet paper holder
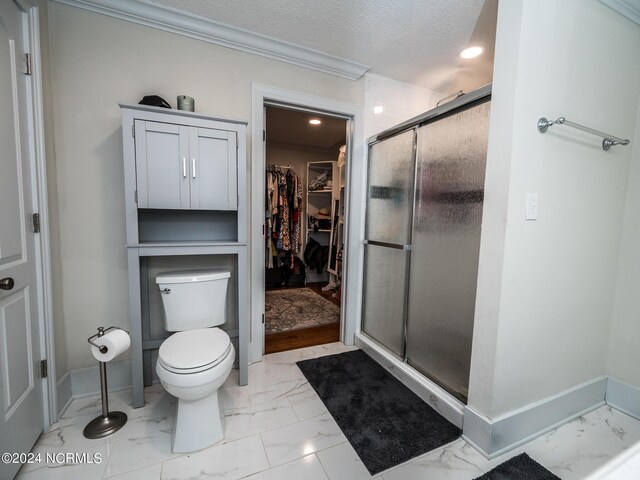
109, 422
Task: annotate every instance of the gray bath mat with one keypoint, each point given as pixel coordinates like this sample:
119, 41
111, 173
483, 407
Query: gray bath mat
385, 422
521, 467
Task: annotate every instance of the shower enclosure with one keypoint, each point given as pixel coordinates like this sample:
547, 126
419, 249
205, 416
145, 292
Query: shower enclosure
422, 238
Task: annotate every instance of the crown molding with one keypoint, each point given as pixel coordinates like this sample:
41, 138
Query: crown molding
167, 19
627, 8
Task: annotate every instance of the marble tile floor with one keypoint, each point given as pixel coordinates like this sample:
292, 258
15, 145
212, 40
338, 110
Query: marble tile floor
277, 428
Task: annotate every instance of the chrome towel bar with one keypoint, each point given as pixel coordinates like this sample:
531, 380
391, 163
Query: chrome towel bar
608, 141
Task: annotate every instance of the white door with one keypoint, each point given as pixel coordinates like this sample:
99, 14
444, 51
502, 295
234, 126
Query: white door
21, 419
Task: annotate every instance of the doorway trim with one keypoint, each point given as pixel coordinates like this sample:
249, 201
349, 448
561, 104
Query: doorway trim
354, 219
40, 204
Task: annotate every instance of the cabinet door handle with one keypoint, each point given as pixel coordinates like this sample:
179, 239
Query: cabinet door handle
193, 167
184, 167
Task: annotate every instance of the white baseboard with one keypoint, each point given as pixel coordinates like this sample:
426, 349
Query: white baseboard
86, 381
623, 397
65, 393
493, 437
435, 396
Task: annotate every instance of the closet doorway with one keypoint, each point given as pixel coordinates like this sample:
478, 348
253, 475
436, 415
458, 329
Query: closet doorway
305, 193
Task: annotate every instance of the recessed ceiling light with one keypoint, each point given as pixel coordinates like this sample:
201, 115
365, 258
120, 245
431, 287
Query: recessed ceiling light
378, 109
315, 121
471, 52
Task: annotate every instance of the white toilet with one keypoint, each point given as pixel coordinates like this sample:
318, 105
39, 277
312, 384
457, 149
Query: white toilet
194, 362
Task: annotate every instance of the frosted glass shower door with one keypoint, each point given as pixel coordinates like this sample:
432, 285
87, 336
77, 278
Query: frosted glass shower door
387, 238
451, 159
385, 294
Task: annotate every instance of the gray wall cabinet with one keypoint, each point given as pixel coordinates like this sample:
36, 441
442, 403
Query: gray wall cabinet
186, 206
185, 167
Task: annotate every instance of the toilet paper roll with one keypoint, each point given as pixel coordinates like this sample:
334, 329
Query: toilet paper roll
116, 341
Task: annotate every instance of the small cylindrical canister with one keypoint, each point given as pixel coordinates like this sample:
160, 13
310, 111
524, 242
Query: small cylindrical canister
186, 103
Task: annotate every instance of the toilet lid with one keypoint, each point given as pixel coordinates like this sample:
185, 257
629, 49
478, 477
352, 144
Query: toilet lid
194, 349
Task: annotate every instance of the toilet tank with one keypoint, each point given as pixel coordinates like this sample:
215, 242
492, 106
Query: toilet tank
193, 298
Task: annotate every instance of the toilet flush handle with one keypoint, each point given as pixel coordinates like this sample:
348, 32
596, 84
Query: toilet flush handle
166, 290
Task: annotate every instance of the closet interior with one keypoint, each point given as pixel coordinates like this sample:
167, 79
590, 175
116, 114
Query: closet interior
305, 192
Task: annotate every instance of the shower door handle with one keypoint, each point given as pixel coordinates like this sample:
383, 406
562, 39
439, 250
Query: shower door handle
397, 246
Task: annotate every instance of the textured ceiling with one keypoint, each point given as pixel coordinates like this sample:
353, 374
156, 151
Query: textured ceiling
292, 127
415, 41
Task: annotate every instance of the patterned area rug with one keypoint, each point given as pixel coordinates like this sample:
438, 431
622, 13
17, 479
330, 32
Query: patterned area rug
297, 308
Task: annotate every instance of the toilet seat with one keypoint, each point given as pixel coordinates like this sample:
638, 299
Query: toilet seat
194, 351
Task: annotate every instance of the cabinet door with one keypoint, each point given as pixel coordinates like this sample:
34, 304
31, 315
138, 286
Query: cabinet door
213, 165
162, 165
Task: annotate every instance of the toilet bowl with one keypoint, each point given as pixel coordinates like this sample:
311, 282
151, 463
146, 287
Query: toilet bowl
194, 362
192, 366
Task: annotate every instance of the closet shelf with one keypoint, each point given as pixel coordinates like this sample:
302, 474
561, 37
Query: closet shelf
319, 191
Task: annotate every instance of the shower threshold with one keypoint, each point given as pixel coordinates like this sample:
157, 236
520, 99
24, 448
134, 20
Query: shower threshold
430, 392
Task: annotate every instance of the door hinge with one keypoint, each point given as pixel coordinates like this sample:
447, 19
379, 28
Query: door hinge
133, 130
264, 135
36, 223
43, 368
263, 318
135, 195
27, 61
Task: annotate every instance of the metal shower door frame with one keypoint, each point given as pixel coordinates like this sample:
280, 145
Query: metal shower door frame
459, 104
406, 247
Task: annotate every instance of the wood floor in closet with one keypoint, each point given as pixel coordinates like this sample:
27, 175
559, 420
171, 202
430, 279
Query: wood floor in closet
308, 337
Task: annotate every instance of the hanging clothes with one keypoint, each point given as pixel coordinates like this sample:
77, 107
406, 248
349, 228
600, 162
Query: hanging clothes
283, 204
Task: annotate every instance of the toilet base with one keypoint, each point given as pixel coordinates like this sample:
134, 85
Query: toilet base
198, 424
